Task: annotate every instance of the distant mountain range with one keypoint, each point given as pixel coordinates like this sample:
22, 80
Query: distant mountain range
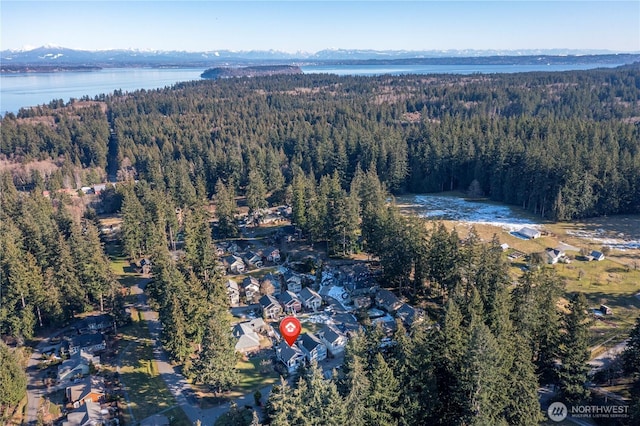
60, 57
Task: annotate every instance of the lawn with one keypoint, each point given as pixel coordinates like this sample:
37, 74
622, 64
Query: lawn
255, 374
138, 371
120, 265
613, 282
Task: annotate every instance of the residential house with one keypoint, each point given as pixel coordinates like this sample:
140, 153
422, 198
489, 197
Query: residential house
233, 248
528, 233
88, 414
270, 219
272, 254
362, 302
410, 315
254, 259
270, 281
597, 255
248, 339
251, 288
95, 323
333, 339
359, 281
290, 302
77, 366
310, 299
233, 292
312, 347
90, 343
293, 281
89, 389
387, 301
291, 356
234, 264
554, 255
270, 307
346, 323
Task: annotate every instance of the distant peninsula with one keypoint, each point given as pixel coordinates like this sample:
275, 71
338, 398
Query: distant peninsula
15, 69
255, 71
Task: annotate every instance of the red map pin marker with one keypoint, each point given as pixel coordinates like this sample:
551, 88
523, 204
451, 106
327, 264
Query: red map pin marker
290, 329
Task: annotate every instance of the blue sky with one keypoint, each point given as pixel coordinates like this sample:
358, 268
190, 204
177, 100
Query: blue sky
311, 26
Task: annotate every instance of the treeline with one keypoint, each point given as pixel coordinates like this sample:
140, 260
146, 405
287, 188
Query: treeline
188, 291
52, 266
480, 363
562, 145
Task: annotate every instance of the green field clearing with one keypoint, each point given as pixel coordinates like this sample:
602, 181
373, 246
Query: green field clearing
138, 371
613, 282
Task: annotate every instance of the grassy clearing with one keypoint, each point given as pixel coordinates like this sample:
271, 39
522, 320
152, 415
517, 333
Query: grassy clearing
255, 374
613, 282
138, 371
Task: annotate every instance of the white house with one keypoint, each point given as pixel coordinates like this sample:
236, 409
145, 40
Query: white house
312, 347
233, 292
310, 299
251, 288
291, 356
234, 265
332, 339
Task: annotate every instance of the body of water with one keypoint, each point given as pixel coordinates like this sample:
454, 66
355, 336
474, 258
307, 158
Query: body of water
30, 89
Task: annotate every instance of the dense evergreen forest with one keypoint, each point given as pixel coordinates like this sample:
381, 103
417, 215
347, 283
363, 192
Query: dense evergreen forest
562, 145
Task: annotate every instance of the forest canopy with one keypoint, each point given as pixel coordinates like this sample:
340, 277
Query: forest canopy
561, 145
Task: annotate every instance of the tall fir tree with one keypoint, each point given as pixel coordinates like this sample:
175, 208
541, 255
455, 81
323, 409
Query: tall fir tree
574, 351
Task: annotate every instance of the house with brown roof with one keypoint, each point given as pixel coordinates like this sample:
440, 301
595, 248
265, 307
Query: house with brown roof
89, 389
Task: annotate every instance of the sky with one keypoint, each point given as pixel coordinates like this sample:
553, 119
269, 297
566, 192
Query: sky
310, 26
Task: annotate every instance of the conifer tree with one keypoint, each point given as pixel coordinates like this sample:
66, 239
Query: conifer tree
574, 351
13, 380
216, 365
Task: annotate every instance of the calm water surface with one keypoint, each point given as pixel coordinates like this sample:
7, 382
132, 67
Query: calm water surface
29, 89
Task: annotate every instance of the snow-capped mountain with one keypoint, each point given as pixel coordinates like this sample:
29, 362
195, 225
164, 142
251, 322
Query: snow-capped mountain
60, 56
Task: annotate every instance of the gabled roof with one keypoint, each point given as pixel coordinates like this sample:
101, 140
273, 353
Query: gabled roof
286, 352
248, 341
386, 298
268, 300
329, 334
310, 341
248, 281
270, 250
408, 314
307, 294
86, 340
231, 285
597, 254
288, 297
82, 389
87, 414
231, 259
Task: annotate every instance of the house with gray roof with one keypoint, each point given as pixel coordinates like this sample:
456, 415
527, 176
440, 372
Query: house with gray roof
410, 315
310, 299
248, 338
312, 347
388, 301
233, 292
234, 264
270, 307
290, 302
333, 339
77, 366
88, 414
291, 356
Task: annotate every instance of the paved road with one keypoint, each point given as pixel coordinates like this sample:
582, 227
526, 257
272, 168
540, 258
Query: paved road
35, 385
605, 359
176, 383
